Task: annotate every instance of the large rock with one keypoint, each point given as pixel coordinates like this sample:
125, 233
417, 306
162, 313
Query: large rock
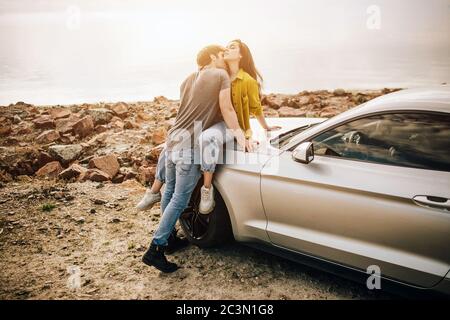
291, 112
159, 136
84, 127
65, 125
154, 153
108, 164
65, 153
96, 175
301, 101
274, 101
18, 160
101, 128
74, 171
160, 99
44, 122
5, 129
120, 109
271, 113
119, 178
48, 136
100, 115
17, 119
339, 92
330, 112
172, 113
51, 169
146, 175
117, 123
67, 139
23, 129
129, 124
42, 159
5, 176
142, 117
130, 175
59, 113
359, 98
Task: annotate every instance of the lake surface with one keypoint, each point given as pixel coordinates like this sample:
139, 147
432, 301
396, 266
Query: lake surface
76, 53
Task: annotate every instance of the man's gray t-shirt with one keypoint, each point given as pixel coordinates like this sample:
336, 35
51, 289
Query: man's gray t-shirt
199, 106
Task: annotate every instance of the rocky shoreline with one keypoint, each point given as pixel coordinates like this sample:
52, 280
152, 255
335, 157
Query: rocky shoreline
116, 142
70, 177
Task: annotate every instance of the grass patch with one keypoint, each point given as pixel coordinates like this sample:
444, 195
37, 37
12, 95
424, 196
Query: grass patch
47, 207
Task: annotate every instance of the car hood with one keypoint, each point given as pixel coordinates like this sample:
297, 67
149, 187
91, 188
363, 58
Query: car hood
286, 125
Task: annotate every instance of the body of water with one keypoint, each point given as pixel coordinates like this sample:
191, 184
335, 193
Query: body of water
64, 52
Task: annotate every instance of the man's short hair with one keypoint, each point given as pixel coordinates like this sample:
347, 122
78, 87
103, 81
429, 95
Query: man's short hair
204, 56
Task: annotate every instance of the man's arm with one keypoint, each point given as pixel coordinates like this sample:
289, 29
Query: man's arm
230, 118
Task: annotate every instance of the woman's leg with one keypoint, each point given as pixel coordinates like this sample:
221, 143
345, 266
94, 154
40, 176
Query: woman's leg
211, 143
153, 195
160, 176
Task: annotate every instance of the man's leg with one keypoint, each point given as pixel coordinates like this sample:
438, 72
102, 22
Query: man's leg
211, 144
153, 195
155, 254
187, 176
181, 180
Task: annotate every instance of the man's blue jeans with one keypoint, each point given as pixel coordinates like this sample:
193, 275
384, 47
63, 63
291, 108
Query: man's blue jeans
182, 175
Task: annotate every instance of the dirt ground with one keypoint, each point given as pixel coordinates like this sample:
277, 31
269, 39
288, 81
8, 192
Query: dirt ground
90, 247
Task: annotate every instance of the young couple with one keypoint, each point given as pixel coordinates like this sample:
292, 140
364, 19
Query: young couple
215, 107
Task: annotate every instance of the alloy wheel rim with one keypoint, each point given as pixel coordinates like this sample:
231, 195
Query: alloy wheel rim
195, 223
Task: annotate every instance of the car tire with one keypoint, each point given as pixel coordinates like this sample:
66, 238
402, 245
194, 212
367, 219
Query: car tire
218, 229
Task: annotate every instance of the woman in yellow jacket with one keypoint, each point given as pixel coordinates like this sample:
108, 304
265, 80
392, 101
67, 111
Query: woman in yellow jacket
245, 96
245, 91
245, 87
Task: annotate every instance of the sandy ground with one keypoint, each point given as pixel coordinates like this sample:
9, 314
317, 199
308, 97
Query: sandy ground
90, 247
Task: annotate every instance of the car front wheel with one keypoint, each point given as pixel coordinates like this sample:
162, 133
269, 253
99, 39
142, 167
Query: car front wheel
206, 230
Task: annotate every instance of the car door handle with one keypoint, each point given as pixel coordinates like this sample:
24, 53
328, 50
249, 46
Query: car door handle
435, 202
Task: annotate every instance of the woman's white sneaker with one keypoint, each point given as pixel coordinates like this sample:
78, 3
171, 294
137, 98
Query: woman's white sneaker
207, 202
149, 200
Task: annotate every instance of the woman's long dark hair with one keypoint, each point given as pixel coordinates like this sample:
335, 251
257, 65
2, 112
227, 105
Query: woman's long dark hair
247, 62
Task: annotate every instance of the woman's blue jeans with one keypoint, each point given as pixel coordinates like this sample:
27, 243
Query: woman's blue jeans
211, 142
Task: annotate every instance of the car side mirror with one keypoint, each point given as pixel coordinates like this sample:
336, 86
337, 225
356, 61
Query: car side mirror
304, 153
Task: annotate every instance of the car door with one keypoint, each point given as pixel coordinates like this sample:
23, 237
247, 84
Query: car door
375, 194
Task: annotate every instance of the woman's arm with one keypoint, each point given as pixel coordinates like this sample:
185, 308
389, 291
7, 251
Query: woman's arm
262, 121
230, 118
256, 107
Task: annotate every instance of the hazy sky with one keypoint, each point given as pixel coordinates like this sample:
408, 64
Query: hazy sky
87, 38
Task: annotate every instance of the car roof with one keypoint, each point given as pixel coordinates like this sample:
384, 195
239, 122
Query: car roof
427, 99
430, 99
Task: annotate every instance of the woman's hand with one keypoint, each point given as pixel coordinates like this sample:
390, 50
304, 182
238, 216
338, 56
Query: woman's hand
273, 128
249, 145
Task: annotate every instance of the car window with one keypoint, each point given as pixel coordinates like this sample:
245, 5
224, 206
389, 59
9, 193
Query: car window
417, 140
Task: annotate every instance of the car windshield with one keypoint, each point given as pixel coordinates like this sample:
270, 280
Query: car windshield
284, 138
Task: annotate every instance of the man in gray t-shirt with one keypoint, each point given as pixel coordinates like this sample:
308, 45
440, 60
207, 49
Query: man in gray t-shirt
199, 106
205, 101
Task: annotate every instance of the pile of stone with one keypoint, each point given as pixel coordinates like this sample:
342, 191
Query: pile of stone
116, 142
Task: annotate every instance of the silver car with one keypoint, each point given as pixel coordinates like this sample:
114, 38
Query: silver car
369, 188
